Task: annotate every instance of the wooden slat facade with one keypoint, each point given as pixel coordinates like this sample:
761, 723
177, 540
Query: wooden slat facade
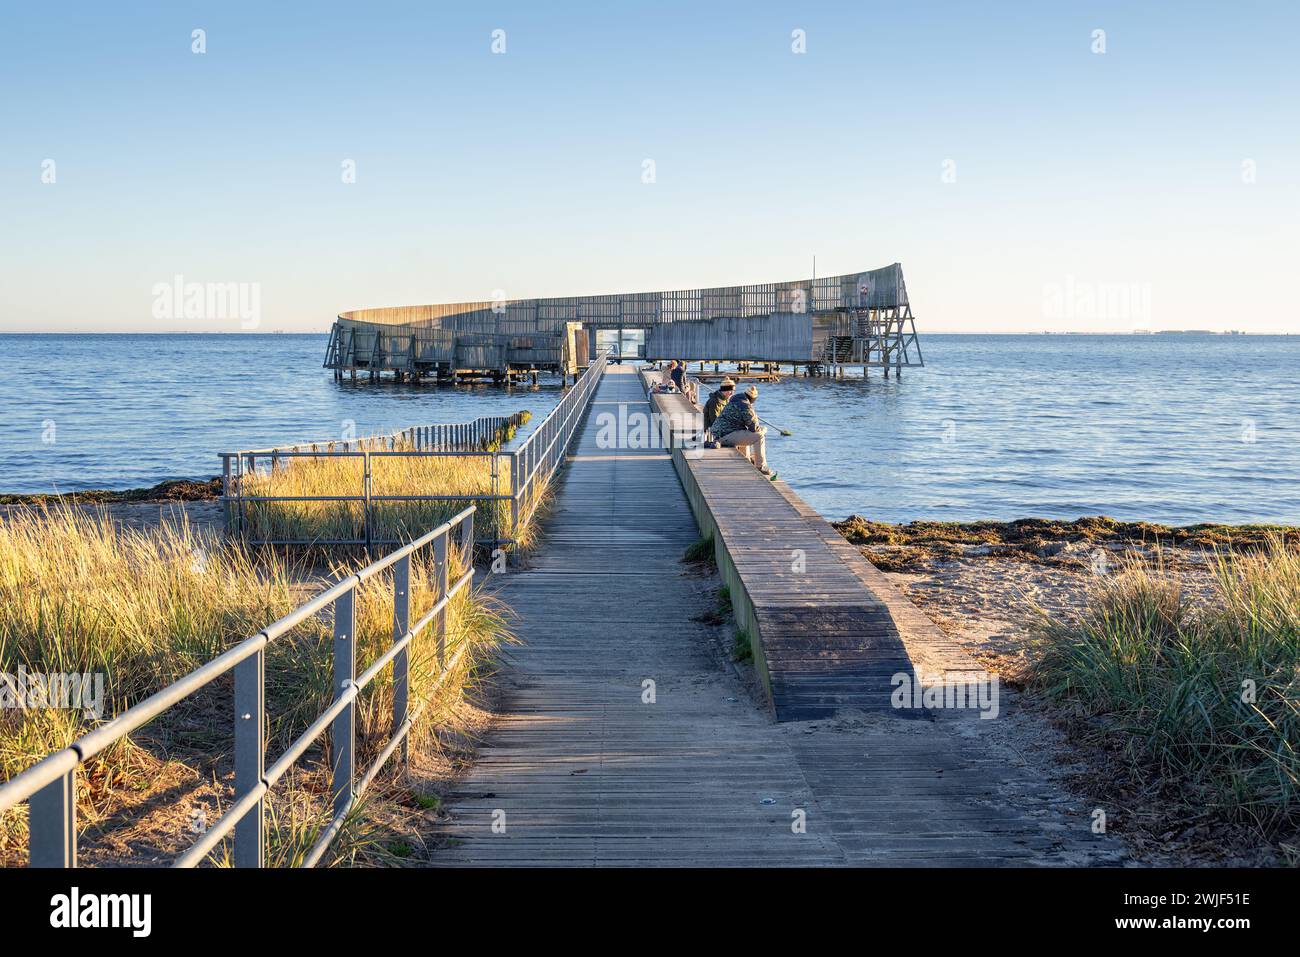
827, 320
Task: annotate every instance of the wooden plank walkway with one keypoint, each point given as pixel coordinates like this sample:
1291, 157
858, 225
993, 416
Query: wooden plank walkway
582, 769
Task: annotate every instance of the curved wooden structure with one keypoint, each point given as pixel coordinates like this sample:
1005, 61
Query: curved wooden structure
857, 319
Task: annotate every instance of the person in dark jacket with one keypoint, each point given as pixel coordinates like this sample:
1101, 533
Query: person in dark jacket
718, 401
679, 375
738, 427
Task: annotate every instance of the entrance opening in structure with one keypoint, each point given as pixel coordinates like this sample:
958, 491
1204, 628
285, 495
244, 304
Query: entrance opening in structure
621, 343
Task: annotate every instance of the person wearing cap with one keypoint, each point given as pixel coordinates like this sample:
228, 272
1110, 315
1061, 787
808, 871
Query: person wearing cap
718, 401
737, 426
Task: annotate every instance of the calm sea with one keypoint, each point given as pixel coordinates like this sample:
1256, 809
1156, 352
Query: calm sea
1171, 429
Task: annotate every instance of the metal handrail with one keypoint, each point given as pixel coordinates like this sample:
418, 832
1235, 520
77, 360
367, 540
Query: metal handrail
544, 450
436, 440
533, 461
49, 786
439, 433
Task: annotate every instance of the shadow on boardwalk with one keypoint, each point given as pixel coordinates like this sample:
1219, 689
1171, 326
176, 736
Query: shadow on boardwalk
623, 740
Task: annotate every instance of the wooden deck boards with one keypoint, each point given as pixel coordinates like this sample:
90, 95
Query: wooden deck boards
587, 774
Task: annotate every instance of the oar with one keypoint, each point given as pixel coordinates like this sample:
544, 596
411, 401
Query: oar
786, 432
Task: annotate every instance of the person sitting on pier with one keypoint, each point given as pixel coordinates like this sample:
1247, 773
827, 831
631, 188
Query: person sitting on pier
678, 374
718, 401
738, 427
666, 378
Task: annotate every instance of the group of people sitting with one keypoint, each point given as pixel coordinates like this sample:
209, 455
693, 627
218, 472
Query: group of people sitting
730, 421
729, 417
674, 377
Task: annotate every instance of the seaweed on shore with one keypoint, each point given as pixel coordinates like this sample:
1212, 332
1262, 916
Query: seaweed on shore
173, 490
902, 547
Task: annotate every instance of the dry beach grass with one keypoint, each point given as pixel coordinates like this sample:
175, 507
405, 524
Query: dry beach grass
1197, 703
1139, 657
80, 593
398, 468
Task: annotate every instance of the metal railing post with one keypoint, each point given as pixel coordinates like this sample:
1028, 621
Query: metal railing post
555, 448
467, 540
514, 497
240, 507
365, 493
250, 757
402, 662
225, 491
344, 730
439, 590
494, 504
52, 824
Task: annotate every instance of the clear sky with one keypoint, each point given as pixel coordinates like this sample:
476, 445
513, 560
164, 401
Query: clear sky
1025, 181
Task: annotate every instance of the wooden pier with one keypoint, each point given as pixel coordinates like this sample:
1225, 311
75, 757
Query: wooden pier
744, 372
625, 736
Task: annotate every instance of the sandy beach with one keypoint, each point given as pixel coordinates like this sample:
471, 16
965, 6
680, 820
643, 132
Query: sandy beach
195, 502
992, 600
990, 604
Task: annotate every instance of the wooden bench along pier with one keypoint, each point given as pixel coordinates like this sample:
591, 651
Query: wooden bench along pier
625, 736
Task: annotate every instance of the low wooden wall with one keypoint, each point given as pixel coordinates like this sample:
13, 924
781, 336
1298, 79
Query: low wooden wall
827, 629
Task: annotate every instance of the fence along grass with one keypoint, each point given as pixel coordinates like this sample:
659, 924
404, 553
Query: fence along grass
268, 511
411, 488
392, 488
79, 593
130, 590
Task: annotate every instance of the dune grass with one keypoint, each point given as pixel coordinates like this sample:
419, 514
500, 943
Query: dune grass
701, 552
393, 471
1201, 702
81, 594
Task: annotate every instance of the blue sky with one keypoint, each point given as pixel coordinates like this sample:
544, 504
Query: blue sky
1116, 173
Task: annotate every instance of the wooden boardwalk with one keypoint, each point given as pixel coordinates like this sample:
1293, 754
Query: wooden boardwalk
583, 769
625, 738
